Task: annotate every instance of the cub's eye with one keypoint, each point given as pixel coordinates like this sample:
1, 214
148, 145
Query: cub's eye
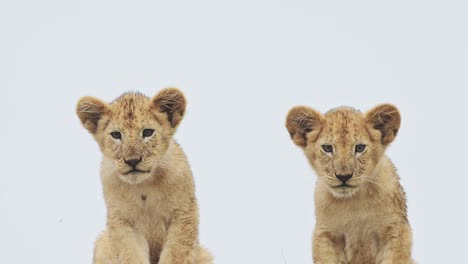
327, 148
360, 148
148, 132
116, 135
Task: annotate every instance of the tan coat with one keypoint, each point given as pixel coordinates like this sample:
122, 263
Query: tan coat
359, 204
152, 211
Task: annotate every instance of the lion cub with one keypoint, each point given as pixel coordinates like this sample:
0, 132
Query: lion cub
152, 211
360, 206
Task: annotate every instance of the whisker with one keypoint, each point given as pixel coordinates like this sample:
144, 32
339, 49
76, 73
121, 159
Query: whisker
374, 182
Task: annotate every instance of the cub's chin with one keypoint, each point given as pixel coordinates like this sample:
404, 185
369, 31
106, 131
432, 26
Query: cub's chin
135, 177
343, 192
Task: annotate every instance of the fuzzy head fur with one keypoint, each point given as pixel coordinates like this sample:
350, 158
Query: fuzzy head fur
344, 129
119, 128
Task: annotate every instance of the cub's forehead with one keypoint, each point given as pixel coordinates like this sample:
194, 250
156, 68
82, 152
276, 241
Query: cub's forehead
343, 123
130, 106
343, 114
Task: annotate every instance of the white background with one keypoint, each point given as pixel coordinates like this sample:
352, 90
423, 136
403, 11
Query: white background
242, 64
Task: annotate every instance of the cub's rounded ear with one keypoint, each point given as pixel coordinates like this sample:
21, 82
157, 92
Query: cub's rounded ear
303, 124
386, 119
170, 102
90, 110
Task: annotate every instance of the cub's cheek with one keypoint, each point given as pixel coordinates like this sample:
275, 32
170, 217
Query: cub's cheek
311, 155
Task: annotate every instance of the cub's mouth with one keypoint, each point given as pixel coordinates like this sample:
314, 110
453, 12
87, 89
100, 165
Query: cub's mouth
344, 186
135, 171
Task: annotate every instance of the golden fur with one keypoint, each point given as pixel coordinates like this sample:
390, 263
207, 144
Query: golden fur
152, 211
360, 218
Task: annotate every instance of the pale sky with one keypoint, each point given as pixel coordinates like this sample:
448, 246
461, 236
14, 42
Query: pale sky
242, 65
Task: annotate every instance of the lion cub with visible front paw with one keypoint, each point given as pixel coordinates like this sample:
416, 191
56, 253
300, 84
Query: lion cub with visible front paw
360, 206
152, 211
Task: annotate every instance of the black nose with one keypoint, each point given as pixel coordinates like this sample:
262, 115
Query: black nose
344, 177
133, 162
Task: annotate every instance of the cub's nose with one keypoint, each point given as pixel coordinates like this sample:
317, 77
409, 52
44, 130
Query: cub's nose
133, 162
343, 177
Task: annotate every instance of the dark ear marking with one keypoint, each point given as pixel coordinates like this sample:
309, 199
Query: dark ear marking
90, 110
300, 122
386, 119
172, 102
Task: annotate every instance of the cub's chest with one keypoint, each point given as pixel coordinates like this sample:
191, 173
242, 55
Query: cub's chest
143, 207
148, 205
149, 213
355, 214
356, 227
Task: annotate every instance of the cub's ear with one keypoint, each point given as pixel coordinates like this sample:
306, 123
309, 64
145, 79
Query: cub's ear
170, 102
303, 124
90, 110
386, 119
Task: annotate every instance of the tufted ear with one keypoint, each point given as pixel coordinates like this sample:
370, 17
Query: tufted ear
303, 124
170, 102
90, 110
386, 119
